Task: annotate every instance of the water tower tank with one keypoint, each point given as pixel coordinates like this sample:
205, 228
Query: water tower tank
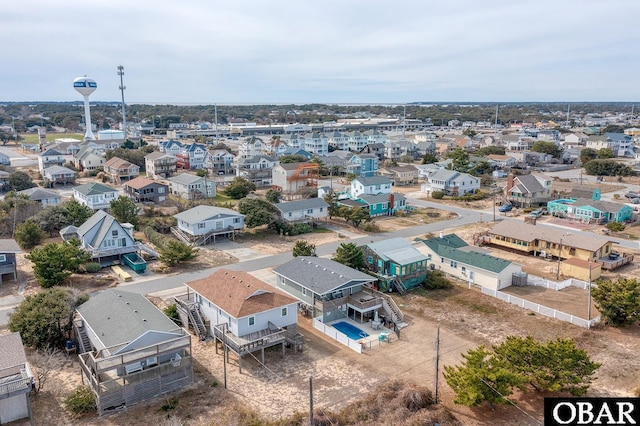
86, 86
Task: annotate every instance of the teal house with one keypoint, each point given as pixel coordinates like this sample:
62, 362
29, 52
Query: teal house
397, 263
590, 211
377, 205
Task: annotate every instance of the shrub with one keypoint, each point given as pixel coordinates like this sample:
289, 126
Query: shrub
80, 401
436, 280
92, 267
615, 226
417, 399
370, 227
172, 312
438, 195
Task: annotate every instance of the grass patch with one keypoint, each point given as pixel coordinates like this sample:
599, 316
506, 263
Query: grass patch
34, 138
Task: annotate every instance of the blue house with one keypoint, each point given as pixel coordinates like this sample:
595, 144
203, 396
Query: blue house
363, 165
590, 211
397, 263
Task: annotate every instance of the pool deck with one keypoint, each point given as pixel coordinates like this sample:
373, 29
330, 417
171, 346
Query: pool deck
366, 327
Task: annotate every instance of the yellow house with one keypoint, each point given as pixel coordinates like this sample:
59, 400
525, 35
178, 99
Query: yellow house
545, 241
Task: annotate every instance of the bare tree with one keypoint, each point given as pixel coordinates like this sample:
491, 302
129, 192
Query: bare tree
44, 362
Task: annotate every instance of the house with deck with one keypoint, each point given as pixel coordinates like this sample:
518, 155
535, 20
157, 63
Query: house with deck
191, 157
95, 195
54, 175
9, 248
129, 351
244, 313
451, 183
306, 210
89, 158
119, 170
588, 210
397, 263
143, 190
50, 157
363, 165
108, 241
202, 224
192, 187
291, 178
257, 169
474, 265
16, 380
160, 165
551, 243
400, 175
528, 190
219, 162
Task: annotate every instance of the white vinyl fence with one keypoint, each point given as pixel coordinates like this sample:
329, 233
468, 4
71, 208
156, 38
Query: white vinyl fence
556, 285
544, 310
338, 336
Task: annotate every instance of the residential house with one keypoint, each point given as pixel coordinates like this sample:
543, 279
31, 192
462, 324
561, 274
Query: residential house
8, 264
88, 158
16, 380
244, 313
397, 263
105, 239
219, 162
251, 147
528, 190
171, 147
48, 158
160, 164
451, 183
192, 187
373, 185
622, 145
143, 190
57, 174
588, 210
336, 161
119, 170
43, 196
4, 180
94, 195
400, 175
291, 178
377, 149
5, 159
131, 352
383, 204
547, 242
66, 146
203, 223
258, 169
306, 210
298, 152
338, 140
474, 265
363, 165
191, 157
573, 139
501, 161
327, 290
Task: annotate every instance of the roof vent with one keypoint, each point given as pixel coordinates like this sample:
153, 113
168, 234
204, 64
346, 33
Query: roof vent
135, 310
241, 281
144, 320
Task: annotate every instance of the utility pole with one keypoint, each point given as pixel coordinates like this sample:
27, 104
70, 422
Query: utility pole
435, 393
311, 422
559, 255
589, 298
122, 87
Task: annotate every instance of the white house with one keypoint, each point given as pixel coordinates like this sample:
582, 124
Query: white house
44, 196
102, 236
452, 255
451, 183
372, 185
50, 157
202, 222
245, 313
96, 196
192, 187
301, 210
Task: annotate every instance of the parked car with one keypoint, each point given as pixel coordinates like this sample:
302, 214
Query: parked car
505, 208
536, 213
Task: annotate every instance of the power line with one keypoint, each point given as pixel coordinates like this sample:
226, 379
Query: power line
509, 401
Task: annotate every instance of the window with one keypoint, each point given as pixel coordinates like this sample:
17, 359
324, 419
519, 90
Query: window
284, 312
309, 211
236, 220
201, 225
252, 321
454, 264
114, 233
370, 260
3, 257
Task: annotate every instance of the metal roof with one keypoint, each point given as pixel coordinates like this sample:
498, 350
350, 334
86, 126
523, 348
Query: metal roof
321, 275
202, 213
94, 189
398, 250
11, 354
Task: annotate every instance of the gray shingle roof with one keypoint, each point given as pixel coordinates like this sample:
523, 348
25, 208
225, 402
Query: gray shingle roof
185, 179
11, 354
530, 184
39, 194
58, 170
373, 180
202, 213
321, 275
8, 245
119, 317
94, 189
309, 203
101, 219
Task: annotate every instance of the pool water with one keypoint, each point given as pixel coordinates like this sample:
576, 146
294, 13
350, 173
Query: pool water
352, 332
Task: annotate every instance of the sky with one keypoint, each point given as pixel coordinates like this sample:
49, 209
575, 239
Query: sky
303, 51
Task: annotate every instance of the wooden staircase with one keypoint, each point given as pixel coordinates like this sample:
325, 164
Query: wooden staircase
399, 285
84, 344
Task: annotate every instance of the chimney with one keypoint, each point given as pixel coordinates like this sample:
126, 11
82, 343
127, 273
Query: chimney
509, 183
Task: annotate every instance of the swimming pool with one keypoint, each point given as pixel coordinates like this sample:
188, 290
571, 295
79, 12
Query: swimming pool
352, 332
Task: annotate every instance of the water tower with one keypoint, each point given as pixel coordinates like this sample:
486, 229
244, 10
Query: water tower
86, 86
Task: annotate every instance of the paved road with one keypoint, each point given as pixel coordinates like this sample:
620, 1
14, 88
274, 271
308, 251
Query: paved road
169, 283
